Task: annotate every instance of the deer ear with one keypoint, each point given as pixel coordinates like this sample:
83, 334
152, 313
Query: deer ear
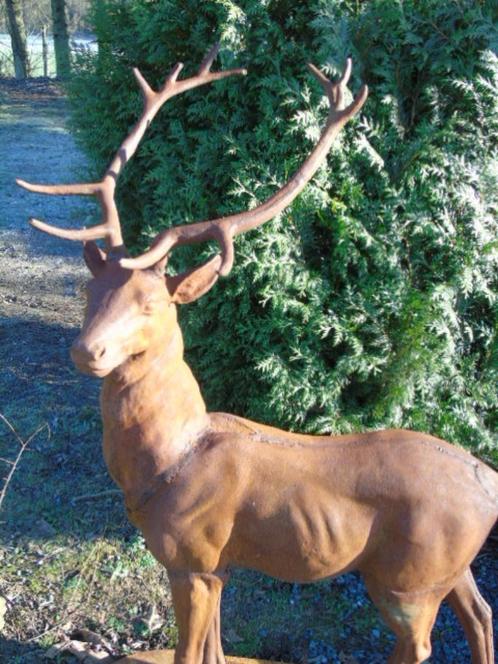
94, 257
191, 285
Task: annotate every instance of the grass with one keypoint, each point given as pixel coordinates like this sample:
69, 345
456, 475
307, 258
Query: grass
70, 564
295, 622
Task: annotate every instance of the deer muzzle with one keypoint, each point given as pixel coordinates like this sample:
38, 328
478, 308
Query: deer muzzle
90, 357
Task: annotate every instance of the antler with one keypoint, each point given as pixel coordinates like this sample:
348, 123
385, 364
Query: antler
224, 229
110, 228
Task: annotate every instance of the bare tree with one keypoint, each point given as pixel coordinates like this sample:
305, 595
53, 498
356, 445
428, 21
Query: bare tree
37, 13
77, 14
61, 38
17, 31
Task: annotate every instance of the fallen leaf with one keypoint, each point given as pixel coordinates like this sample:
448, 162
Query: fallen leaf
87, 636
85, 654
153, 620
77, 648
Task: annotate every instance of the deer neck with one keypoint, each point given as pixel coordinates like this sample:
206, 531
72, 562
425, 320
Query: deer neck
153, 413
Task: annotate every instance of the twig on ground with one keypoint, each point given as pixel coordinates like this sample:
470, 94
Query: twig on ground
23, 445
102, 494
59, 623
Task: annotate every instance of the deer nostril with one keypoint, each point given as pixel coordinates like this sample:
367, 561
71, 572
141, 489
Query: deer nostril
84, 353
99, 352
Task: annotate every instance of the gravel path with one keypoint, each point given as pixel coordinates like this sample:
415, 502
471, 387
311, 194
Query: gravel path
41, 303
36, 146
40, 276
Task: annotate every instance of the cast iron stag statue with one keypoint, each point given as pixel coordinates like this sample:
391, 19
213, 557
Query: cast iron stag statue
210, 490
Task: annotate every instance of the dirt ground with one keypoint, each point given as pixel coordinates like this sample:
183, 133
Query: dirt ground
40, 277
48, 542
69, 561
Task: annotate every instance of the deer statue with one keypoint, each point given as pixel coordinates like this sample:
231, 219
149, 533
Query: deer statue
211, 490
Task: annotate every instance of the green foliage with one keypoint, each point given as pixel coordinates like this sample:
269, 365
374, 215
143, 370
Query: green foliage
372, 300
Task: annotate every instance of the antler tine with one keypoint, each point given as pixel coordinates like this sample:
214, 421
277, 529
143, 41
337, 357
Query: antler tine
334, 91
205, 65
224, 229
110, 228
83, 234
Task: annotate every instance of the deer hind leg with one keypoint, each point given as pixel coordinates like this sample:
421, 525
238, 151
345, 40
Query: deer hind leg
411, 616
195, 600
475, 616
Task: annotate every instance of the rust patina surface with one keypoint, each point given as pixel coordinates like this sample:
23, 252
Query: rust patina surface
211, 490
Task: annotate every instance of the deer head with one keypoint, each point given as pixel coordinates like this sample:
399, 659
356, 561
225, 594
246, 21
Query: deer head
131, 301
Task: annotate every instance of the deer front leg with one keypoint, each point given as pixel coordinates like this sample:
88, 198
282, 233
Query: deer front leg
213, 651
196, 598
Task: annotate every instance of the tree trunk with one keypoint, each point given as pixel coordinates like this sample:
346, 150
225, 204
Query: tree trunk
17, 33
61, 38
44, 50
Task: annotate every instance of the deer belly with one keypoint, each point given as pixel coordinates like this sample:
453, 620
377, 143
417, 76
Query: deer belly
296, 534
309, 537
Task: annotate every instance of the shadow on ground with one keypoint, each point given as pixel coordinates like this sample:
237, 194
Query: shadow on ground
57, 542
41, 388
15, 652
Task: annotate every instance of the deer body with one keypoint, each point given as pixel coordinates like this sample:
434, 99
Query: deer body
300, 528
212, 490
192, 482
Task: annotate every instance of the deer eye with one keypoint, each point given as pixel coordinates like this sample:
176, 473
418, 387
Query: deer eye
150, 306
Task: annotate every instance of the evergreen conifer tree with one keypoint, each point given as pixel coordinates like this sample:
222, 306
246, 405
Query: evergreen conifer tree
371, 302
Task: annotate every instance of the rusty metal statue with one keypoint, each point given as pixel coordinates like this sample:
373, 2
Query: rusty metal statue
210, 490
